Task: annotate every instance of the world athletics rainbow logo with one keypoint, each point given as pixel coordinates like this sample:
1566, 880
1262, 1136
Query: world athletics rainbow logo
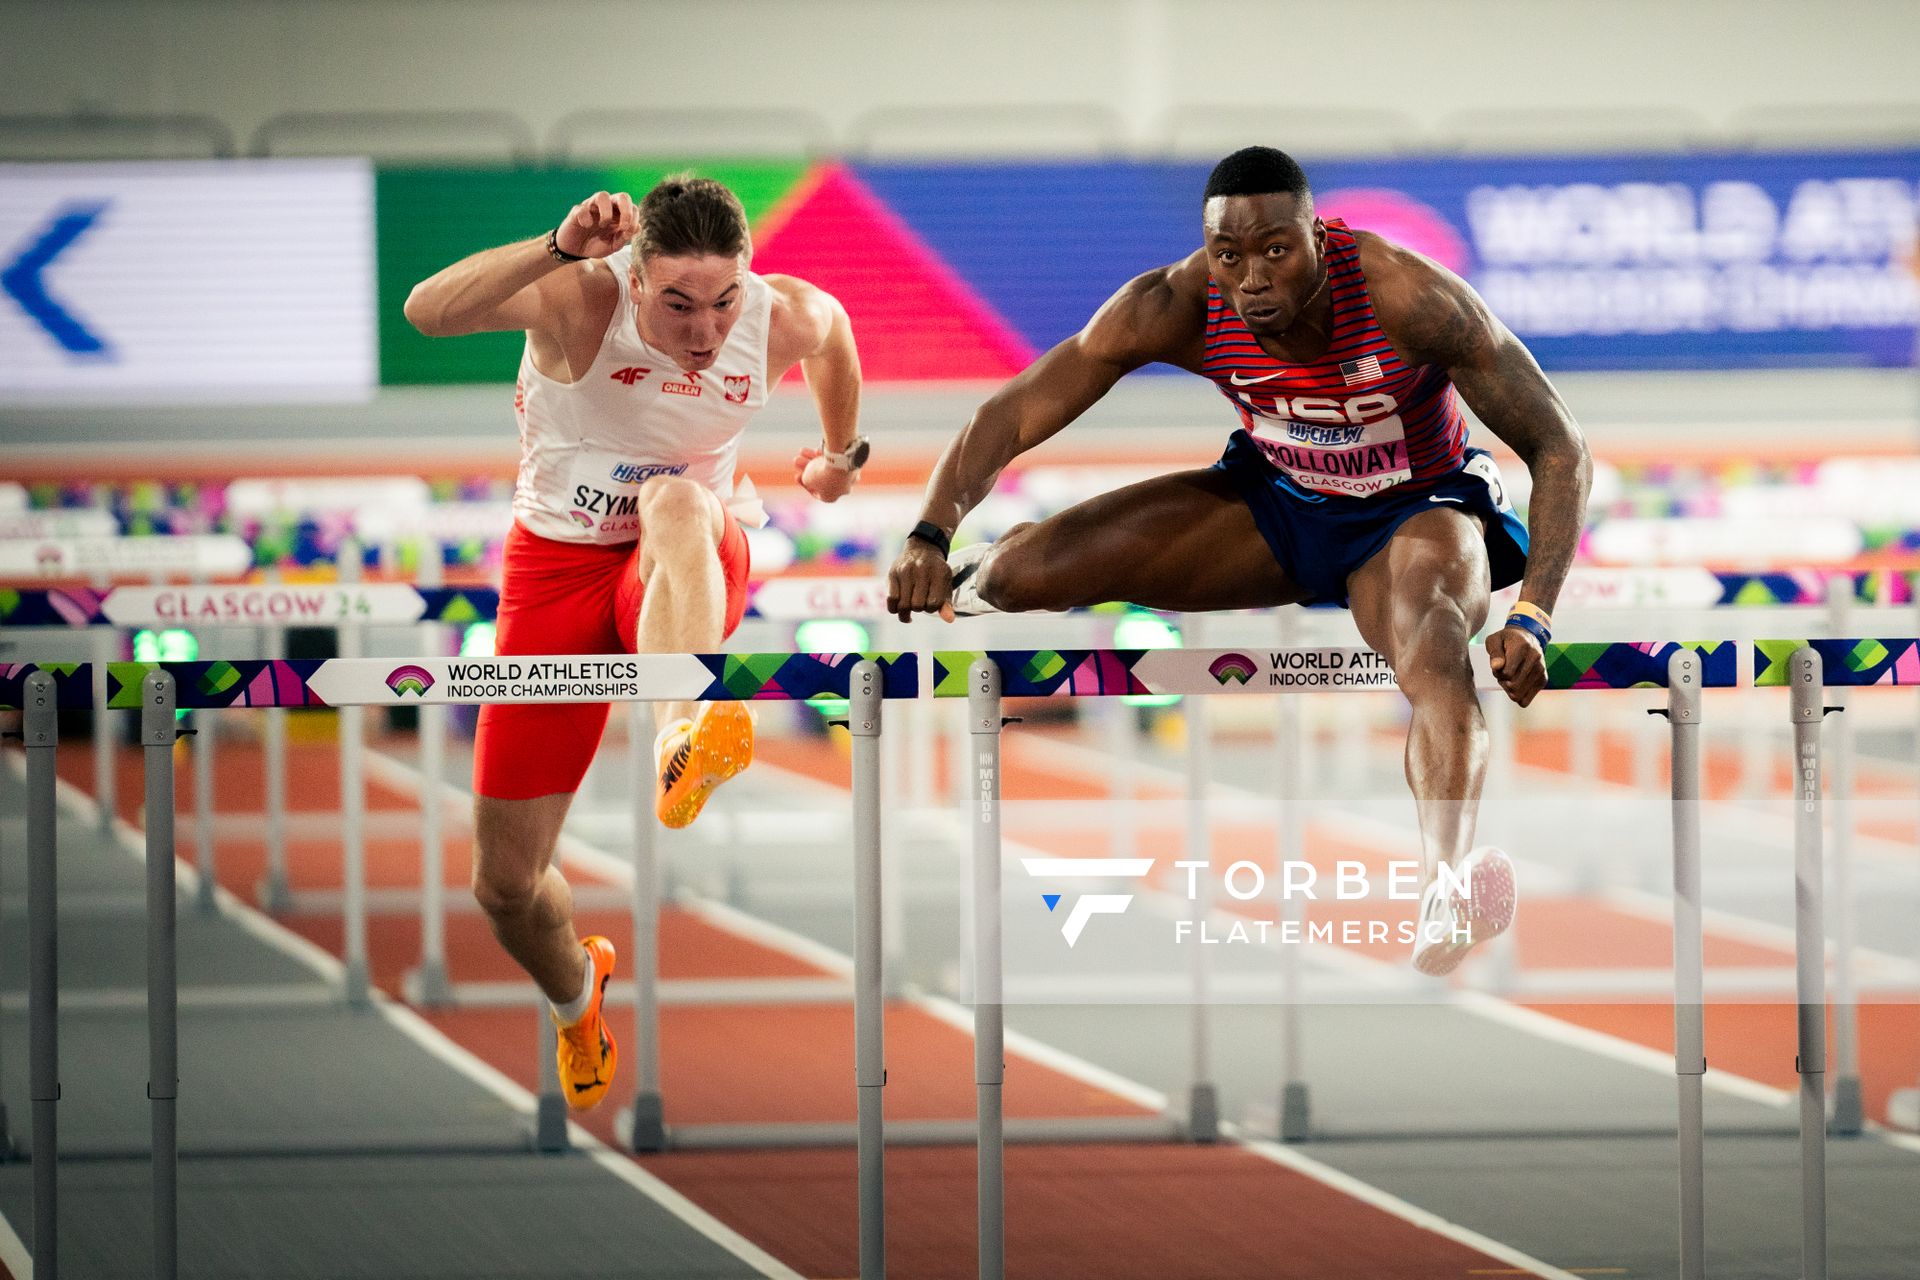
410, 680
1231, 666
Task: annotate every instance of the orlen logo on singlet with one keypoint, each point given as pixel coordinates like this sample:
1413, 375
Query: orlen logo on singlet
1354, 447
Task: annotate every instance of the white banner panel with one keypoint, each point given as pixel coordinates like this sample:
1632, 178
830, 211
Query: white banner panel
587, 678
78, 523
214, 555
798, 599
313, 495
204, 280
283, 606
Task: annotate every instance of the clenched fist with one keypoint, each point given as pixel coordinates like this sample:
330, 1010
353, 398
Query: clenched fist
1517, 663
920, 582
598, 225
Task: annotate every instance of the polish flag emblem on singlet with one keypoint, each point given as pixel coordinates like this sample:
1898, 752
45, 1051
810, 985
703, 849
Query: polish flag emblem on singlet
739, 388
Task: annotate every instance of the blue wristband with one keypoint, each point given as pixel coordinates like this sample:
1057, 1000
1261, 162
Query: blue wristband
1531, 626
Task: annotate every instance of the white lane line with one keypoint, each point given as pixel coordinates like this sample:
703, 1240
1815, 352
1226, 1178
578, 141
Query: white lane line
436, 1043
1387, 1202
13, 1252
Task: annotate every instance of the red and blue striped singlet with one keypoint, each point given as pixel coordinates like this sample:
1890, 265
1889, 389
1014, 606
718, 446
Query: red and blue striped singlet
1355, 422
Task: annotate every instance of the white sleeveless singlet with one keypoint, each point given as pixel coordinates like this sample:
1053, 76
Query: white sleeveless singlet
587, 446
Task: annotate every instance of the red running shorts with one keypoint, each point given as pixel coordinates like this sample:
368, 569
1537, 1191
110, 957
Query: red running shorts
559, 598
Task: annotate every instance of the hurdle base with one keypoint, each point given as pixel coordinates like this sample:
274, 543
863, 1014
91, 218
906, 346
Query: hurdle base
355, 986
273, 894
205, 900
1203, 1114
1846, 1115
1295, 1113
644, 1124
549, 1131
1903, 1110
428, 986
1290, 1121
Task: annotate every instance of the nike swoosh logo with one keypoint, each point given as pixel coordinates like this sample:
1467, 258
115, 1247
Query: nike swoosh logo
1437, 498
1239, 381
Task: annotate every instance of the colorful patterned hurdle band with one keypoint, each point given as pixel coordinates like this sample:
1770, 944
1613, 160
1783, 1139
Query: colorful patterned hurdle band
72, 683
335, 682
1842, 661
1033, 673
257, 604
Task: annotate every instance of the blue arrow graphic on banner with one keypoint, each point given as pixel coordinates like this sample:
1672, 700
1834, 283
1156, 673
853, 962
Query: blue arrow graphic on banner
21, 280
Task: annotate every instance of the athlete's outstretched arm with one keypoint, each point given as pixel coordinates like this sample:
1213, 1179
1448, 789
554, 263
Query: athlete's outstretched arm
812, 329
1435, 317
1134, 327
520, 286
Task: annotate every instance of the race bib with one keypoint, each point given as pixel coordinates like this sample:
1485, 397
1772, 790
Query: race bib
603, 492
1354, 460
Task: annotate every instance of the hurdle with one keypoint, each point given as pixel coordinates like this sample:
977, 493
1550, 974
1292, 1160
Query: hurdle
985, 678
1809, 668
157, 690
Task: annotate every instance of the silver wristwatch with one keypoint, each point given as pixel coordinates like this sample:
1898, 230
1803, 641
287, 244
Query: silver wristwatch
852, 460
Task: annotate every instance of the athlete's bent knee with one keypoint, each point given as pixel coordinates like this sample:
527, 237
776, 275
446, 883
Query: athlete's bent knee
673, 502
1431, 652
1014, 577
504, 891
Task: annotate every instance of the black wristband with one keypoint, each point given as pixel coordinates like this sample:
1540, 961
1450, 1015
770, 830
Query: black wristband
558, 254
929, 532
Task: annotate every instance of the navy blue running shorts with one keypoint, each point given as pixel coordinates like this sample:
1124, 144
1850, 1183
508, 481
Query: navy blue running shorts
1320, 539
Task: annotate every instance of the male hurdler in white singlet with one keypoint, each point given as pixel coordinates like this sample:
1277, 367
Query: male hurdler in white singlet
650, 344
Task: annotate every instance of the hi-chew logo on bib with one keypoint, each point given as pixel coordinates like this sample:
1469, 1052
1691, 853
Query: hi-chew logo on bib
1355, 447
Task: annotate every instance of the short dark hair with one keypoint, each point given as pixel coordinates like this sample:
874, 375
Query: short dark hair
1258, 171
685, 216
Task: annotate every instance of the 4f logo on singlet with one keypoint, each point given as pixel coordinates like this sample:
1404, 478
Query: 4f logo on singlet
629, 375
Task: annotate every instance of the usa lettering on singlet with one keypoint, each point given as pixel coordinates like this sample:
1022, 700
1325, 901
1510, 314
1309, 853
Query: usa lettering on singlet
1356, 421
587, 446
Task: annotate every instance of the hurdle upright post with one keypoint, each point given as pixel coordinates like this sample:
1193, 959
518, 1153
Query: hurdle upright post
1203, 1098
1848, 1107
1290, 841
205, 864
353, 801
869, 963
646, 1125
430, 985
157, 735
274, 893
106, 779
1684, 678
40, 731
1809, 709
989, 1028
